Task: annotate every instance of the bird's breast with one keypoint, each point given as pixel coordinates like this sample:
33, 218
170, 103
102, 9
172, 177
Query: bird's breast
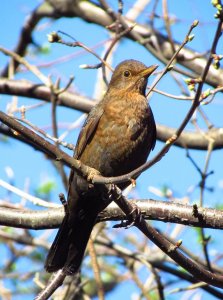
122, 140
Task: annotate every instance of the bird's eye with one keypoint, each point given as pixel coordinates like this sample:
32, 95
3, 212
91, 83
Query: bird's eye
127, 73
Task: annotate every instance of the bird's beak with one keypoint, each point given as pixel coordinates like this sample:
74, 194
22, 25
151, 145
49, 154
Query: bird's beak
147, 72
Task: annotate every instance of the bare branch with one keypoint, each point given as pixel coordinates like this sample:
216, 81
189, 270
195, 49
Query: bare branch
188, 139
151, 210
92, 13
171, 250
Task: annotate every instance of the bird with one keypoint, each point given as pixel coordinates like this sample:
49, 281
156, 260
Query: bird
116, 138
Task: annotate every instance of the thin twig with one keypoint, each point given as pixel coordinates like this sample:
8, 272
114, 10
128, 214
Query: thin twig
96, 269
205, 240
33, 199
56, 281
171, 140
199, 272
30, 67
54, 99
55, 38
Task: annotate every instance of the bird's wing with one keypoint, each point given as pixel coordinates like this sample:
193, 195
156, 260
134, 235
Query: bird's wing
88, 130
154, 132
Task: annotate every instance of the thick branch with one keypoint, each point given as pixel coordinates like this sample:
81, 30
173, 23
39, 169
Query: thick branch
152, 40
37, 91
151, 210
191, 140
173, 251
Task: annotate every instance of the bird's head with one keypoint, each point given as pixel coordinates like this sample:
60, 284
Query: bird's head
131, 75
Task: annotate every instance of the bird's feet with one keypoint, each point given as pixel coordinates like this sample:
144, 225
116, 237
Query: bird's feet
134, 217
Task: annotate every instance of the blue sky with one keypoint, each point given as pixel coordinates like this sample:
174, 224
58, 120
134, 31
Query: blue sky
174, 170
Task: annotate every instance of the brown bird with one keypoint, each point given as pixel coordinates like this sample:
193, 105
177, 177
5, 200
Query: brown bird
117, 137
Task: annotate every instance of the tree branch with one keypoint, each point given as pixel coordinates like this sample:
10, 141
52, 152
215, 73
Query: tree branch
151, 210
191, 140
173, 251
92, 13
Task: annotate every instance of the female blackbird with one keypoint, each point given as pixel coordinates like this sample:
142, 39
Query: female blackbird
116, 138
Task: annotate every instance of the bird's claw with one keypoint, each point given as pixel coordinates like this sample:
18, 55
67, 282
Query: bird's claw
134, 217
120, 225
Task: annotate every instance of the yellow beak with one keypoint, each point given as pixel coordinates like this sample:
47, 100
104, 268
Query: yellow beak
147, 72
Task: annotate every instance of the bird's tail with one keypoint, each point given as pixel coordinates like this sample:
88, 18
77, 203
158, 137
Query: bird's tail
68, 248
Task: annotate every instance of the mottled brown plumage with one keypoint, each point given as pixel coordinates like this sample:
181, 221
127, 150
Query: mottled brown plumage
116, 138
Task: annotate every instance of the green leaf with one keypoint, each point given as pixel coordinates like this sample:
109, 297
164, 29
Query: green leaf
45, 188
